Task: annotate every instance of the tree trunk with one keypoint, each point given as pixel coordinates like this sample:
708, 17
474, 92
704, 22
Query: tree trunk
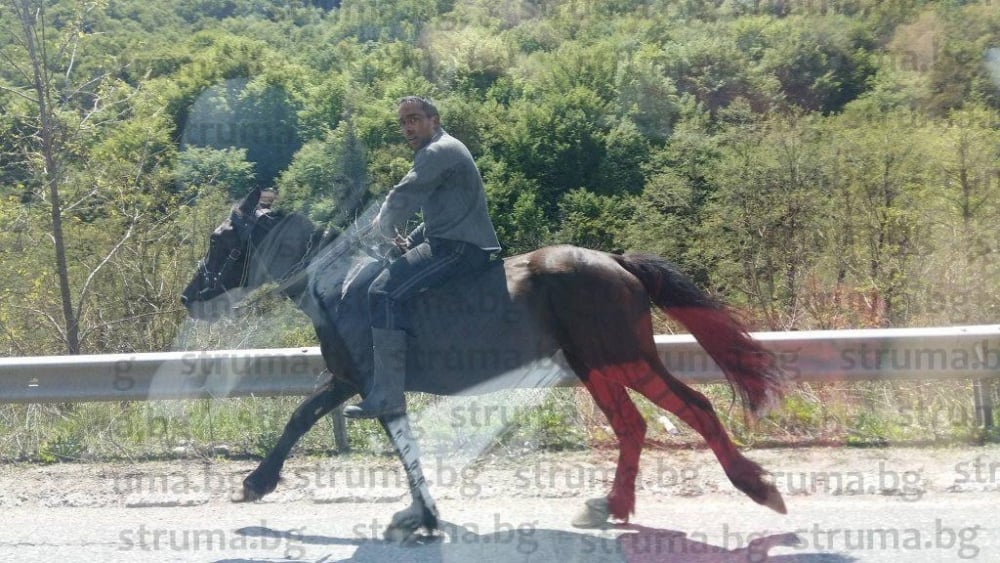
48, 139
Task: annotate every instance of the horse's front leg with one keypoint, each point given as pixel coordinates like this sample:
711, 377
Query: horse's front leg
264, 479
630, 429
422, 512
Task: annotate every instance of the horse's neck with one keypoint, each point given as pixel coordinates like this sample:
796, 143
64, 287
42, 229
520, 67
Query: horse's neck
300, 269
314, 250
288, 252
337, 270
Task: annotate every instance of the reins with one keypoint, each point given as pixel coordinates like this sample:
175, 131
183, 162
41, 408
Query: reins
326, 247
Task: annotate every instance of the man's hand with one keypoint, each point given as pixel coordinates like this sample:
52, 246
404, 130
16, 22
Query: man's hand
396, 249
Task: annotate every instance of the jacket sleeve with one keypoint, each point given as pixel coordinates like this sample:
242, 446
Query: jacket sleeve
406, 197
416, 236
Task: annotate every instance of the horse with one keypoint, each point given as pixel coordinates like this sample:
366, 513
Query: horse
588, 309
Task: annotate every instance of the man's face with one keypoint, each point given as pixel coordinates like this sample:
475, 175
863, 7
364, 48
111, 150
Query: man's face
416, 126
267, 198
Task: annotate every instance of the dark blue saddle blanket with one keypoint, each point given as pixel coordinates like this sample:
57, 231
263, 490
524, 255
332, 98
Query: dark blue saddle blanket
464, 333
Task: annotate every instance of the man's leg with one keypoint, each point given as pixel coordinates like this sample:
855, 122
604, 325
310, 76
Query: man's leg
426, 265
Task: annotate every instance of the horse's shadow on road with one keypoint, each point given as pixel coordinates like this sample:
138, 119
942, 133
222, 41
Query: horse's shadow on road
620, 544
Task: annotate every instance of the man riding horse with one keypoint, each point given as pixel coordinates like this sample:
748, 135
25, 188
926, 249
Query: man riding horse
456, 237
588, 307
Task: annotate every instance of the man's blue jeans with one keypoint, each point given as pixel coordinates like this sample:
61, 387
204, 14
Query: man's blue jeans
429, 264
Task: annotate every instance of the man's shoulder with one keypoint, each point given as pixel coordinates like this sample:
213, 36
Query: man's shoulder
444, 145
445, 141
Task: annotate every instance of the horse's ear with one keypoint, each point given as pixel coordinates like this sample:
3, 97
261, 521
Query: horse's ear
249, 204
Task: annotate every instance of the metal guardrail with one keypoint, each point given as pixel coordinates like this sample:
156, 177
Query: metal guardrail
160, 375
857, 355
867, 355
840, 355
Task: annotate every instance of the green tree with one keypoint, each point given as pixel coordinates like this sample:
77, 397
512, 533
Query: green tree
468, 60
592, 220
252, 115
645, 94
62, 107
709, 65
328, 180
879, 182
514, 206
964, 59
959, 275
821, 62
384, 22
207, 169
759, 226
626, 151
556, 141
97, 189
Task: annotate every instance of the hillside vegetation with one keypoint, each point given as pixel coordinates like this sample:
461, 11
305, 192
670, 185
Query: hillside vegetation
816, 163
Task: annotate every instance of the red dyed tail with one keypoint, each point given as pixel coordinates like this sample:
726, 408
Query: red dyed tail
751, 370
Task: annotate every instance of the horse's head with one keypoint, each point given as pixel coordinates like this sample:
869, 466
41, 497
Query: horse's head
245, 251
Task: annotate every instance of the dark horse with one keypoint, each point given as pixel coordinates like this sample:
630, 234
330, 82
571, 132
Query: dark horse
493, 330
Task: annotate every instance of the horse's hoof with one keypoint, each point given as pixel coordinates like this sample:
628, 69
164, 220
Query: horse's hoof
595, 514
248, 493
774, 501
400, 535
245, 494
403, 528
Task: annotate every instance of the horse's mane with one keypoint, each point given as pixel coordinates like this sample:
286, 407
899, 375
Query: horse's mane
284, 243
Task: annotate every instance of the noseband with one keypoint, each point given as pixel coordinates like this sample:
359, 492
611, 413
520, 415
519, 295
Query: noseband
244, 227
211, 279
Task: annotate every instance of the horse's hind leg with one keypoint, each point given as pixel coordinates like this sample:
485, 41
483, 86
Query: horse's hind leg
630, 429
666, 391
264, 478
422, 512
622, 350
652, 380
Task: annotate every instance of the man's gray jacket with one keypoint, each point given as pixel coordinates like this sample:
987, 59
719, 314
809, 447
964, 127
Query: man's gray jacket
445, 184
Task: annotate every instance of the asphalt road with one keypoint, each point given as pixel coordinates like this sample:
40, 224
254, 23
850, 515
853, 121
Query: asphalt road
844, 505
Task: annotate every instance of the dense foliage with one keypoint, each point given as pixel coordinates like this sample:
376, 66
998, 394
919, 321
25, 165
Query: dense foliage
820, 164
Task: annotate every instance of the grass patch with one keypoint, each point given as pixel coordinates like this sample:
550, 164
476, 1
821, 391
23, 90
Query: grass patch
509, 422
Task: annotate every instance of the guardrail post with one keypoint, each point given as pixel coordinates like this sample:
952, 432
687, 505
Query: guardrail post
982, 395
340, 430
982, 391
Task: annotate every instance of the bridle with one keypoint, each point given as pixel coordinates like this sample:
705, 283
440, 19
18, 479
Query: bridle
244, 227
251, 228
251, 231
211, 279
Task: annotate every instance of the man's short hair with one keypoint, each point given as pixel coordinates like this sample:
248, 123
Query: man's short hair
426, 105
